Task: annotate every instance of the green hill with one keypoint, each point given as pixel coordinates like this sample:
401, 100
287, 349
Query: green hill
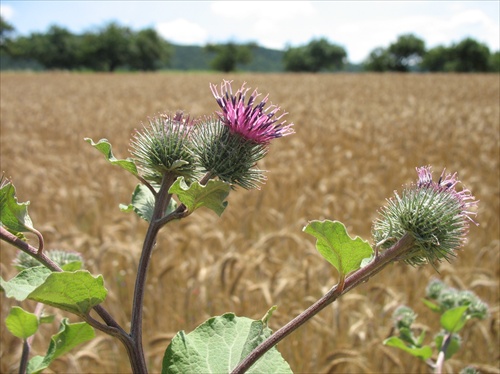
197, 58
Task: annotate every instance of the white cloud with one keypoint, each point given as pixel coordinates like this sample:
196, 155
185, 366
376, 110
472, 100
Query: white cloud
6, 11
474, 22
271, 10
182, 31
272, 23
361, 37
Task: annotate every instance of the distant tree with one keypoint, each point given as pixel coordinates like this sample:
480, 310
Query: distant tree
495, 62
56, 49
107, 49
439, 58
296, 59
6, 32
379, 60
149, 51
403, 55
407, 52
316, 56
229, 55
471, 56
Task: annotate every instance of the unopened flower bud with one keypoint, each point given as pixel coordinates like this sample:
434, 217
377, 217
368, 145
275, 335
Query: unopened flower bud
448, 298
164, 147
403, 317
434, 289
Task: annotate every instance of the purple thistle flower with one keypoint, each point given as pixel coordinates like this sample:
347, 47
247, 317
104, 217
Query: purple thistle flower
448, 182
435, 214
254, 123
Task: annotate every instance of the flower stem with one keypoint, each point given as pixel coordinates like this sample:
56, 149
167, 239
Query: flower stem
162, 200
356, 278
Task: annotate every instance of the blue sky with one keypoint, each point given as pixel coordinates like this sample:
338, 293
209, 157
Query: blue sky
358, 26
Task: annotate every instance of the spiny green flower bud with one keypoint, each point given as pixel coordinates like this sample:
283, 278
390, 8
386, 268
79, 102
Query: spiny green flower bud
60, 257
403, 317
434, 214
164, 147
477, 308
448, 298
434, 289
469, 370
228, 156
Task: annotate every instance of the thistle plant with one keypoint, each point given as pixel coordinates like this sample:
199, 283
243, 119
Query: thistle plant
183, 164
454, 308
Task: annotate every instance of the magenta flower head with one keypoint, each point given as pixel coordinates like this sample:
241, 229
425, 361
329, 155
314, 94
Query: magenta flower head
229, 146
435, 214
252, 122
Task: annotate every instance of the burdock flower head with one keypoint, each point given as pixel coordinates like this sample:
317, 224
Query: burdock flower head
164, 147
230, 145
254, 123
434, 214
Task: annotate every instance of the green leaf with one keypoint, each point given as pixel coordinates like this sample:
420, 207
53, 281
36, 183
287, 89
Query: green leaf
337, 247
72, 266
21, 323
454, 319
434, 307
218, 345
13, 215
25, 282
453, 346
104, 146
36, 365
424, 352
420, 339
212, 195
69, 336
406, 335
143, 203
76, 292
46, 318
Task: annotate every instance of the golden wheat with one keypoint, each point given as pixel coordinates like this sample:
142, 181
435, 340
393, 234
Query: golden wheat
358, 138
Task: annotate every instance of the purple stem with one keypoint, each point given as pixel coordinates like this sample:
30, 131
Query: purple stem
355, 279
161, 202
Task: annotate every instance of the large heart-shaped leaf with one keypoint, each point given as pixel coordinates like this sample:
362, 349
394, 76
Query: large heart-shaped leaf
76, 292
25, 282
218, 345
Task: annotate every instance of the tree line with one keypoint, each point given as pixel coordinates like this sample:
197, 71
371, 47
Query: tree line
408, 53
113, 47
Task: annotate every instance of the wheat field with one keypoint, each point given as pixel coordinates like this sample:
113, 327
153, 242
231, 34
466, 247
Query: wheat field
358, 138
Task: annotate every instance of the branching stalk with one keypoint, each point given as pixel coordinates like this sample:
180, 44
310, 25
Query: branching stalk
161, 202
355, 279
